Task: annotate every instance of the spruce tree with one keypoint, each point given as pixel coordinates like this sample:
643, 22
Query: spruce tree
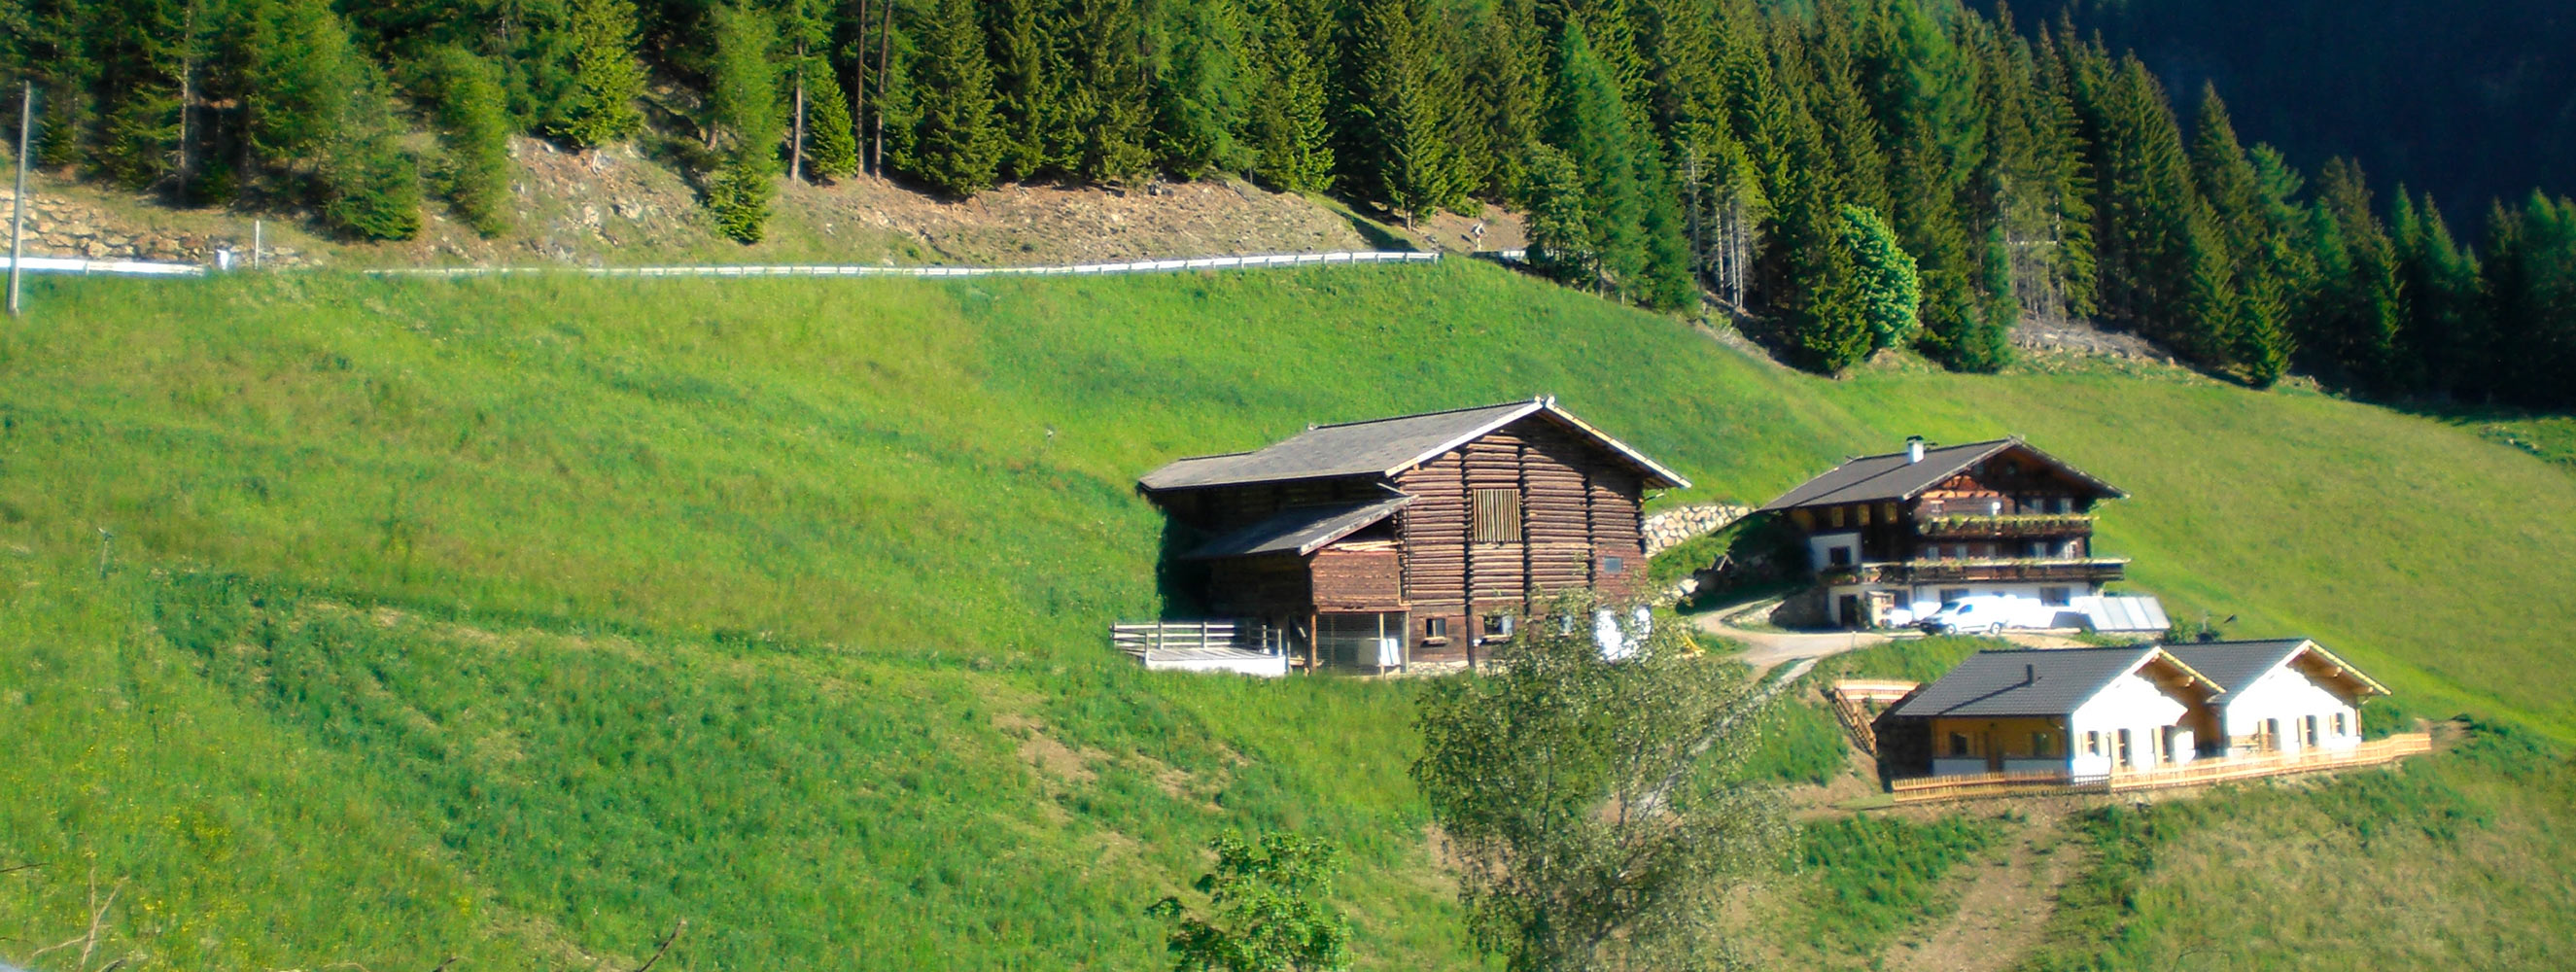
474, 130
371, 184
956, 144
2356, 309
297, 84
147, 50
2447, 335
1289, 125
745, 117
1884, 290
606, 79
1406, 152
1199, 90
1589, 123
2531, 280
831, 145
1028, 75
1107, 90
1563, 242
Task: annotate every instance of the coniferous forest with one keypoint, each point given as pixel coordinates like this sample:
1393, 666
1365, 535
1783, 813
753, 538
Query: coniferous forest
1860, 174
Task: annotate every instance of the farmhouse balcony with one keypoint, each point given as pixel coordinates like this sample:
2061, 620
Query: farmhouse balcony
2087, 569
1980, 526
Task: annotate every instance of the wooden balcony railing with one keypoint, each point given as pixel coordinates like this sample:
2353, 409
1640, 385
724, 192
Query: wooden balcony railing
1979, 526
1981, 569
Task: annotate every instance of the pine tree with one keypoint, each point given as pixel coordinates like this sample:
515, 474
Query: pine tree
746, 121
1288, 125
821, 143
2446, 334
1028, 73
371, 184
1503, 92
1563, 243
1885, 291
1590, 124
1406, 152
831, 145
2356, 310
1199, 93
606, 80
474, 129
297, 83
956, 144
1107, 90
146, 51
2531, 280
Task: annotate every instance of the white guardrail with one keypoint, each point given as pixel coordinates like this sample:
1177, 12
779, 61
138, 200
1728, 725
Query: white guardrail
858, 270
113, 268
145, 268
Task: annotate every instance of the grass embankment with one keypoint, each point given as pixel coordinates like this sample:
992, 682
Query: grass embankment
526, 617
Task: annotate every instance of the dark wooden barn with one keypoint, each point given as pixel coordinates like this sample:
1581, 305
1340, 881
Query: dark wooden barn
1384, 543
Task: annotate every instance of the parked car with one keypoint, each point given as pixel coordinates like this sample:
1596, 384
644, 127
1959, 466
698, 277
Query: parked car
1972, 615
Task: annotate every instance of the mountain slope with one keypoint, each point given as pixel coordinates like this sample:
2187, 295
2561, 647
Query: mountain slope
496, 618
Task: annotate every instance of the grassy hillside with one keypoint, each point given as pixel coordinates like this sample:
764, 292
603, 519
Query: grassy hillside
529, 617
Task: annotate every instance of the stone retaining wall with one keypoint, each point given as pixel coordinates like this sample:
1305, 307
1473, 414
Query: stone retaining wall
1667, 529
62, 228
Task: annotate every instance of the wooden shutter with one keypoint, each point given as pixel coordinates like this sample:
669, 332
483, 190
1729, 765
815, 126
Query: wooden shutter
1498, 516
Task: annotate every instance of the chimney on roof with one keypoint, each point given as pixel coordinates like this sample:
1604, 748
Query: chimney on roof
1913, 449
2029, 674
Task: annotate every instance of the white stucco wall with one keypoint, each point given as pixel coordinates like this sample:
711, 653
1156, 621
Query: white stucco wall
2023, 602
1820, 548
2133, 703
2289, 695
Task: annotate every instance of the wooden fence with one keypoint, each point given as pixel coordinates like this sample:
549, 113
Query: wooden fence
1933, 789
1145, 638
1856, 703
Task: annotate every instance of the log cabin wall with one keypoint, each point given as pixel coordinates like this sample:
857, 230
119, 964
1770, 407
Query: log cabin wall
1578, 518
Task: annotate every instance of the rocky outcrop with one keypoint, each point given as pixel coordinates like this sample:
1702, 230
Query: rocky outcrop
1667, 529
64, 228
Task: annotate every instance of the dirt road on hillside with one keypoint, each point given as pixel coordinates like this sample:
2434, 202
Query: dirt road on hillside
1766, 648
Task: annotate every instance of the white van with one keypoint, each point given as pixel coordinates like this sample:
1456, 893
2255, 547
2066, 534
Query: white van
1983, 614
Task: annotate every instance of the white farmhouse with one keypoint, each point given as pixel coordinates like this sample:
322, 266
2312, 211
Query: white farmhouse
1895, 537
2083, 712
2287, 695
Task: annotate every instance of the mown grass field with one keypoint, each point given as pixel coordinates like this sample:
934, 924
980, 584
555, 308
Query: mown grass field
511, 618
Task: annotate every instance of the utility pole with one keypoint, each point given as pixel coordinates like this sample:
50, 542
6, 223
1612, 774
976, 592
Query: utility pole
18, 203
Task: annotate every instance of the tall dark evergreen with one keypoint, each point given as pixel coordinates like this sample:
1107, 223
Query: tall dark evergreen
744, 122
1403, 151
1289, 125
956, 143
1029, 71
606, 80
1589, 122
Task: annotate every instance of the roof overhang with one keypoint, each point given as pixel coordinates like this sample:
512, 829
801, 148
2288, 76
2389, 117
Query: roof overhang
2335, 667
1298, 531
1957, 459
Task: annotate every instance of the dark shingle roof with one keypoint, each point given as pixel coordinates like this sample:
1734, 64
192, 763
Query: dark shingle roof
2236, 664
1300, 530
1873, 479
2028, 682
1381, 447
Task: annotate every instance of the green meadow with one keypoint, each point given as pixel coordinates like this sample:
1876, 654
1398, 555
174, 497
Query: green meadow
517, 621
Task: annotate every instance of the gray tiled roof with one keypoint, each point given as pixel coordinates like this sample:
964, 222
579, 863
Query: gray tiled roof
1873, 479
1299, 530
1380, 447
2236, 664
2028, 682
